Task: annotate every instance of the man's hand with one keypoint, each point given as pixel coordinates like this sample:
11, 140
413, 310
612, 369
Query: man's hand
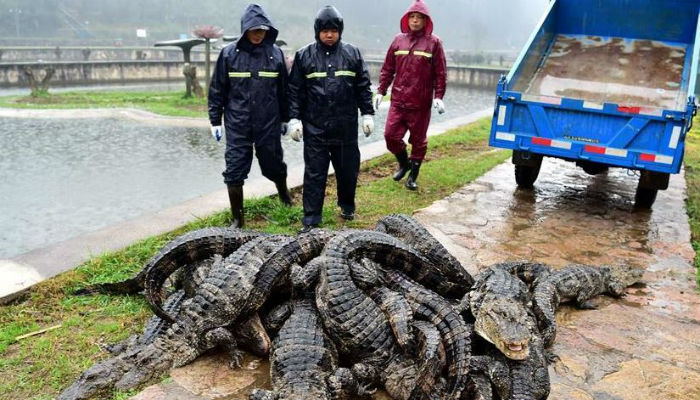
296, 129
368, 124
439, 106
217, 132
283, 128
378, 97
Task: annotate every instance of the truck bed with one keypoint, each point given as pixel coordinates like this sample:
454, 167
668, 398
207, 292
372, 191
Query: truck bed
617, 70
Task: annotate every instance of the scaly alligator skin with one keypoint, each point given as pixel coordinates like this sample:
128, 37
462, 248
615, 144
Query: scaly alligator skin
410, 231
578, 283
456, 334
302, 358
499, 303
155, 326
527, 271
200, 325
431, 356
400, 315
391, 252
526, 379
185, 249
276, 270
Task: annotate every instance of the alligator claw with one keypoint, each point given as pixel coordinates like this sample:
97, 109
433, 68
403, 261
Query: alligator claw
366, 390
236, 359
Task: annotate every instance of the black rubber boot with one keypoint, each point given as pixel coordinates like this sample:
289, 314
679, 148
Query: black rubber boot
283, 192
404, 165
235, 196
413, 176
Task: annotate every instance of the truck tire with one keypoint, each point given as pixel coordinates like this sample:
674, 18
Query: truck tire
593, 168
644, 198
525, 175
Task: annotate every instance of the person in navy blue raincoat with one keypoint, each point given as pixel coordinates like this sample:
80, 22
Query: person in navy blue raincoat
248, 88
328, 83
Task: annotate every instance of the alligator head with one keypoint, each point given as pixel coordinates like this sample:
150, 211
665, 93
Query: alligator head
621, 277
506, 324
127, 370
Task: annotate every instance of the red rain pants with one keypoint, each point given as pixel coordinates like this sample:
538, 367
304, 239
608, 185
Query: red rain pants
416, 122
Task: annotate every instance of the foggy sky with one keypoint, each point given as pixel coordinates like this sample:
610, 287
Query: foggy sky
467, 25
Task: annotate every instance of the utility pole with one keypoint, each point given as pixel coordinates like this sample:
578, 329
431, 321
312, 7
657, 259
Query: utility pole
16, 12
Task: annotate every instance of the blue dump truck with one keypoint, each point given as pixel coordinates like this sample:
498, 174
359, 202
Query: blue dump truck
603, 83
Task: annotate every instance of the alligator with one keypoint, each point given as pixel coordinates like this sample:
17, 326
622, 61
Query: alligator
410, 231
578, 283
527, 271
304, 362
499, 303
431, 355
275, 272
200, 325
185, 249
155, 326
362, 331
391, 252
526, 379
455, 333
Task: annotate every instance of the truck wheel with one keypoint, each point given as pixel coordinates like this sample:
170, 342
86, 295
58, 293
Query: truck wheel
644, 198
593, 168
525, 175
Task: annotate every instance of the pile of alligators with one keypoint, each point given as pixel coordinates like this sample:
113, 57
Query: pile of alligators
342, 314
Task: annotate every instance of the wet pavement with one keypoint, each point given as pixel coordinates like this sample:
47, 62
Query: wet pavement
643, 346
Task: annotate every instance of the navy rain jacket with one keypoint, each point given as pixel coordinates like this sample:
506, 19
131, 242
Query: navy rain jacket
249, 83
327, 85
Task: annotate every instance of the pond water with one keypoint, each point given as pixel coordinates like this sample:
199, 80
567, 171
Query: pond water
60, 178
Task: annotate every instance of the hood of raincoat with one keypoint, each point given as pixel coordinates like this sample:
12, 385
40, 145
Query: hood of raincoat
417, 6
328, 18
253, 16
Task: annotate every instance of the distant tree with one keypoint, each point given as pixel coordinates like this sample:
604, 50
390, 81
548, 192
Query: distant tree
208, 32
39, 88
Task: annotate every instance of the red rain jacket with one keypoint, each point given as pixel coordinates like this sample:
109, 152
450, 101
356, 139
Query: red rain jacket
416, 63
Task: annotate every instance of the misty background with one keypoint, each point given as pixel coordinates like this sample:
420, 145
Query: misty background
463, 25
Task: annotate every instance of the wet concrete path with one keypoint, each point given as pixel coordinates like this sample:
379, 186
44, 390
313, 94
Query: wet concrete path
644, 346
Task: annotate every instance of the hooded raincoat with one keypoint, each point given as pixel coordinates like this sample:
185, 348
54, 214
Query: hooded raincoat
327, 86
248, 89
415, 62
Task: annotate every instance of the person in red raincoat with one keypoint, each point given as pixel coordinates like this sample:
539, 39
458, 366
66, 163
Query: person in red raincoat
415, 62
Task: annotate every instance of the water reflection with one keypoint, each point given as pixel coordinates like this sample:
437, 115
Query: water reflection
63, 177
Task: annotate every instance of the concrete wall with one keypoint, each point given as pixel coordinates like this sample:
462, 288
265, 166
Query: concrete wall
108, 72
97, 53
477, 77
96, 72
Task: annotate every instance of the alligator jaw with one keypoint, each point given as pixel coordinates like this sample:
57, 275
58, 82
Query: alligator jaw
515, 350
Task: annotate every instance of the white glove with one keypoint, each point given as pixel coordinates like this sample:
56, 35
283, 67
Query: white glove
283, 128
378, 100
296, 129
368, 124
217, 132
439, 106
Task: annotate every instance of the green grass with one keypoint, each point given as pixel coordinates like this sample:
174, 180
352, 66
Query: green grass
692, 179
164, 103
40, 366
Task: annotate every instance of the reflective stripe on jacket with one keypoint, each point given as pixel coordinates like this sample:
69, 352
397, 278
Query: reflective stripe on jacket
416, 65
326, 88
